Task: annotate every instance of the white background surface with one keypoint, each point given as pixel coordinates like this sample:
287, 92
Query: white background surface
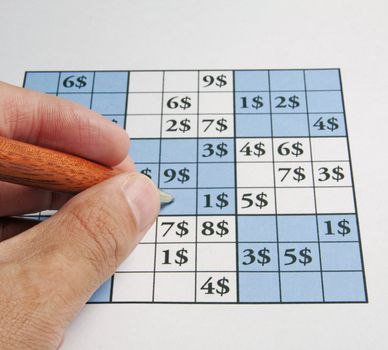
351, 35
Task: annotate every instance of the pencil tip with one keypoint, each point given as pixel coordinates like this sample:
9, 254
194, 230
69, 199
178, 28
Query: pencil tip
165, 198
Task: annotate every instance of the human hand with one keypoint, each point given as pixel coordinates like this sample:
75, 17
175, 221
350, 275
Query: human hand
49, 270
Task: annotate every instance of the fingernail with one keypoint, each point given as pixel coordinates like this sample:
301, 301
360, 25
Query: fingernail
143, 199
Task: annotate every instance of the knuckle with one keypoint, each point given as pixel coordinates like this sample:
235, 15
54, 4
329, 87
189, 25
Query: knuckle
105, 240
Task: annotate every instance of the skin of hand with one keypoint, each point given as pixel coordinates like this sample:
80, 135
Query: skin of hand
48, 270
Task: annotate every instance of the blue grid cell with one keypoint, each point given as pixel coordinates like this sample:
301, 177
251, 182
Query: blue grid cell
144, 151
257, 228
301, 286
251, 81
290, 125
332, 124
103, 293
216, 175
344, 286
76, 82
258, 257
340, 256
83, 99
324, 101
337, 228
117, 119
109, 103
253, 125
325, 79
179, 150
286, 80
293, 228
178, 175
42, 81
259, 287
252, 102
110, 82
299, 257
151, 170
215, 150
184, 203
288, 102
218, 201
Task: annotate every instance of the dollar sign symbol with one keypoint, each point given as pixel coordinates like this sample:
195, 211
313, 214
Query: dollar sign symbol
222, 150
185, 102
333, 124
223, 286
299, 172
81, 82
183, 230
338, 173
146, 172
222, 200
264, 258
221, 80
114, 121
223, 226
298, 150
185, 125
305, 254
345, 228
294, 102
261, 200
257, 102
259, 149
184, 175
182, 257
221, 125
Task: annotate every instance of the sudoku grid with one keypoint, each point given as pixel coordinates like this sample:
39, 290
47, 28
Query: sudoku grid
259, 164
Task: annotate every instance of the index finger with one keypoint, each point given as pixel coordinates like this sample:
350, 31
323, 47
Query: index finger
55, 123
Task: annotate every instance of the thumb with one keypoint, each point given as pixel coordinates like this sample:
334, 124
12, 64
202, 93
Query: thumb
52, 269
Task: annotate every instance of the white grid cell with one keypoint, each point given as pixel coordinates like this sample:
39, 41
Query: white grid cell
143, 126
176, 229
335, 200
255, 175
144, 103
295, 201
216, 257
181, 81
332, 174
216, 229
175, 257
174, 287
216, 81
180, 103
145, 82
216, 287
291, 149
133, 286
329, 148
182, 126
293, 174
258, 201
254, 150
214, 102
211, 125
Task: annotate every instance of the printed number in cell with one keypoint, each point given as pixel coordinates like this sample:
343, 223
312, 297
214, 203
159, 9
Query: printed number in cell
293, 175
215, 126
179, 126
214, 81
176, 229
251, 149
175, 257
255, 200
216, 229
180, 104
292, 149
332, 174
74, 81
